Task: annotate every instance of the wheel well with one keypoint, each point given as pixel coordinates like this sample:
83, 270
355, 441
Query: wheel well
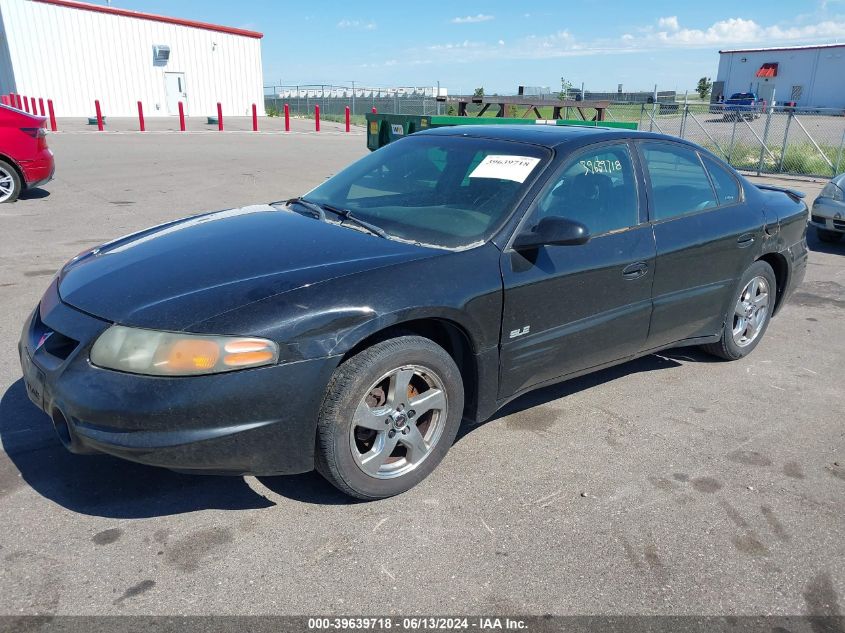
448, 335
781, 268
16, 167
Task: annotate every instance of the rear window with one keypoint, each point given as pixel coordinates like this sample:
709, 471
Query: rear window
742, 95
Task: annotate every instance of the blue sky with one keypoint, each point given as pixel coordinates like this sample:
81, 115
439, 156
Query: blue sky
500, 45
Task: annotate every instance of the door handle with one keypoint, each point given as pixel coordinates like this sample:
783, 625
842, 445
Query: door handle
747, 239
635, 271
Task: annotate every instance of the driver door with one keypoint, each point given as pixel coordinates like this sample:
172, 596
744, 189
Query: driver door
572, 308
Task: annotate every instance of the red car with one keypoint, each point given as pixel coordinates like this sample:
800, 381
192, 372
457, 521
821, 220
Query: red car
25, 160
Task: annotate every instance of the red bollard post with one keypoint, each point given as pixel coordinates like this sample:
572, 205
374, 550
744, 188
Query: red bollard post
219, 116
52, 115
5, 100
347, 118
287, 118
141, 117
181, 117
316, 118
374, 110
41, 106
254, 118
26, 103
16, 99
99, 115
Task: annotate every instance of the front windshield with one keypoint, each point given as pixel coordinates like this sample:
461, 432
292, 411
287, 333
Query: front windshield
448, 191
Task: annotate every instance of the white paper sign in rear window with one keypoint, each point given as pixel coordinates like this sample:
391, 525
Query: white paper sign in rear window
516, 168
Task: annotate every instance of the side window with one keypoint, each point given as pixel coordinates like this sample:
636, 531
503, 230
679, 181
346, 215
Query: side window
727, 188
598, 188
679, 184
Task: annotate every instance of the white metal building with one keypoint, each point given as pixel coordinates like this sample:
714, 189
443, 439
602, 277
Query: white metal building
75, 52
811, 76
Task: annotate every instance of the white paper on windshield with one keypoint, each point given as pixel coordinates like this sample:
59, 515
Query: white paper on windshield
516, 168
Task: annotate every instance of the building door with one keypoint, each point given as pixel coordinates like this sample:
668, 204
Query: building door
174, 84
765, 92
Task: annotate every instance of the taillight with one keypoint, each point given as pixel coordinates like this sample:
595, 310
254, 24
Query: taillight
39, 133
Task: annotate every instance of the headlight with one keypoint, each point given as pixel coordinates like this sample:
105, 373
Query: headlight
833, 192
178, 354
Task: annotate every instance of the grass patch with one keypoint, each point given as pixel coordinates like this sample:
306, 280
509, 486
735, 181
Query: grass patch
800, 158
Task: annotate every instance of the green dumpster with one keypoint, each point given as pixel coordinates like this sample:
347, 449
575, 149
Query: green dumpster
385, 128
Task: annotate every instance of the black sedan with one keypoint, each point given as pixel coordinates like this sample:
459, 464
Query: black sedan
436, 279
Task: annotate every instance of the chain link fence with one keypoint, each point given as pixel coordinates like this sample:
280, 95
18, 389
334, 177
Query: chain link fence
770, 140
333, 100
767, 140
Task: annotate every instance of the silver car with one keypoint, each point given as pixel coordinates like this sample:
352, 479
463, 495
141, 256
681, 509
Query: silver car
829, 211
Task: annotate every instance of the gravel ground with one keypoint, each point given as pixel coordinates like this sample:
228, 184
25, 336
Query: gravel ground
673, 484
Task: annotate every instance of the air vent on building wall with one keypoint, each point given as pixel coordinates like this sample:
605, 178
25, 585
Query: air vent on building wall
161, 54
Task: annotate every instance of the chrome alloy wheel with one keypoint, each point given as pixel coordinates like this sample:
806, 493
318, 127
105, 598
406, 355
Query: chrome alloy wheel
751, 312
398, 422
7, 185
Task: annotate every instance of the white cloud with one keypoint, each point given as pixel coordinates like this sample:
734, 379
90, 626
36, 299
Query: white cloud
670, 23
365, 25
472, 19
741, 31
667, 33
459, 45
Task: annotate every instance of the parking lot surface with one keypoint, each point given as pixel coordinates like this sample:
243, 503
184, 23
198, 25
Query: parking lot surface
672, 484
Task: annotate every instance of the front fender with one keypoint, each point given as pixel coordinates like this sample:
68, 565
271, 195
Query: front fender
331, 317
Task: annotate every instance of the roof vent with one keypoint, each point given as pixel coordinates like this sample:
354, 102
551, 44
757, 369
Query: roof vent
161, 54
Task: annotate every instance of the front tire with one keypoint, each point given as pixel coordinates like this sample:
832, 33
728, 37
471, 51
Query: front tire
749, 314
831, 237
390, 415
10, 183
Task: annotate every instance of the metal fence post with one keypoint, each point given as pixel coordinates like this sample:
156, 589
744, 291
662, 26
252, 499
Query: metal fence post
733, 138
785, 142
684, 113
839, 154
765, 137
642, 112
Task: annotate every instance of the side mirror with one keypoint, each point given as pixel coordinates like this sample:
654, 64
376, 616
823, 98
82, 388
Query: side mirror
553, 231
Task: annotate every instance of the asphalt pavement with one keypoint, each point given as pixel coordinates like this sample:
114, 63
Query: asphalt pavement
674, 484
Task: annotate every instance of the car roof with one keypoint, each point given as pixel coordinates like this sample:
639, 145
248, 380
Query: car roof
549, 136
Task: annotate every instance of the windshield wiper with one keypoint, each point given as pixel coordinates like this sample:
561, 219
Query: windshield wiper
347, 216
316, 209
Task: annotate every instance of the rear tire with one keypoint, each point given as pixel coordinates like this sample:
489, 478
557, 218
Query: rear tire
749, 314
831, 237
10, 183
390, 415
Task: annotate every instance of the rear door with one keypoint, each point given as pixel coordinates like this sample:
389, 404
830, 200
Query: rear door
570, 308
706, 236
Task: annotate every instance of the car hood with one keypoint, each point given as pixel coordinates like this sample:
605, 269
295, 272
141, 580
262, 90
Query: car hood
174, 275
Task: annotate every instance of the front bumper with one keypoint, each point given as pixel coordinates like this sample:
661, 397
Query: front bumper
828, 214
258, 421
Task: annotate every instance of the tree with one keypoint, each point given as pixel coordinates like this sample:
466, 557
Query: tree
565, 87
479, 92
703, 87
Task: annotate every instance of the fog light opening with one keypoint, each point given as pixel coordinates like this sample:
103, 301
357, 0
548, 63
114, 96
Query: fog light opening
61, 426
